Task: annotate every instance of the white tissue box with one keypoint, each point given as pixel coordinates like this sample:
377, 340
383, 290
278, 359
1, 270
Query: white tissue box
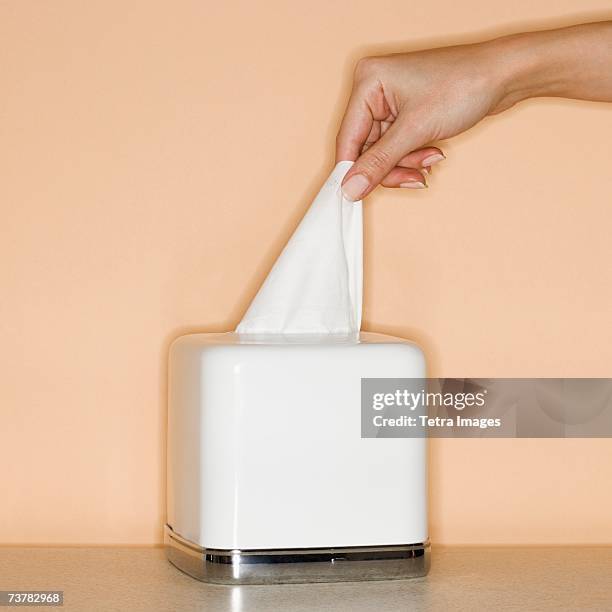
266, 461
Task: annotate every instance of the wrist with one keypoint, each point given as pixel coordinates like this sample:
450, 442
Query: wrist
522, 67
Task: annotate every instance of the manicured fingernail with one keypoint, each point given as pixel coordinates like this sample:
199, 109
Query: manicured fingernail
432, 159
355, 187
414, 185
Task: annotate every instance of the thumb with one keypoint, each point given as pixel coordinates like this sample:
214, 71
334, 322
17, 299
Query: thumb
371, 168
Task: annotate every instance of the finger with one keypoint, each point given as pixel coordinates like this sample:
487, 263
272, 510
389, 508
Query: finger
378, 161
410, 178
373, 136
384, 126
354, 130
378, 129
422, 158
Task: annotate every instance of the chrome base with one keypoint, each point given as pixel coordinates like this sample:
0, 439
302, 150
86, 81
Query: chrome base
297, 565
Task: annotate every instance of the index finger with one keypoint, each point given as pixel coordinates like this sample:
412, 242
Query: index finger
354, 129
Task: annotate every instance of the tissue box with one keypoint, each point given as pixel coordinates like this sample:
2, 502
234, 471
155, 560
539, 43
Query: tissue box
269, 479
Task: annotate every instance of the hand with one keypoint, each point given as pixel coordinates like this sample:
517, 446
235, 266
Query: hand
402, 103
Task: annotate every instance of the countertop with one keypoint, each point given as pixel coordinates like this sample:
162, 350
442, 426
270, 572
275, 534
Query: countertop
470, 578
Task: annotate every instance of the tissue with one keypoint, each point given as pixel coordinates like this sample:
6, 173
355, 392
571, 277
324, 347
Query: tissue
315, 286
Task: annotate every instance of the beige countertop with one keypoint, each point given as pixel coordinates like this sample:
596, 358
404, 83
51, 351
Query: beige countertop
478, 578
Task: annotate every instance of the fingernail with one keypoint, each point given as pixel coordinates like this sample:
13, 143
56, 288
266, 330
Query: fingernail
355, 187
414, 185
432, 159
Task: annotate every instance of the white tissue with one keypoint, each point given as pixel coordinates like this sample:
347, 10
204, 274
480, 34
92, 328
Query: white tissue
315, 286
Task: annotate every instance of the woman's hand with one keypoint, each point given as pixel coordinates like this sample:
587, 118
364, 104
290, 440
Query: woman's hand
402, 103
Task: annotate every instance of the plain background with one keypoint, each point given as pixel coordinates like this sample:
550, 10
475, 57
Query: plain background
154, 158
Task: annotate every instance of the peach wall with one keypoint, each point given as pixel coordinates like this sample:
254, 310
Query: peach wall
154, 158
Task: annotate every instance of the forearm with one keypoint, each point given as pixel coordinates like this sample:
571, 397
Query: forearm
574, 62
